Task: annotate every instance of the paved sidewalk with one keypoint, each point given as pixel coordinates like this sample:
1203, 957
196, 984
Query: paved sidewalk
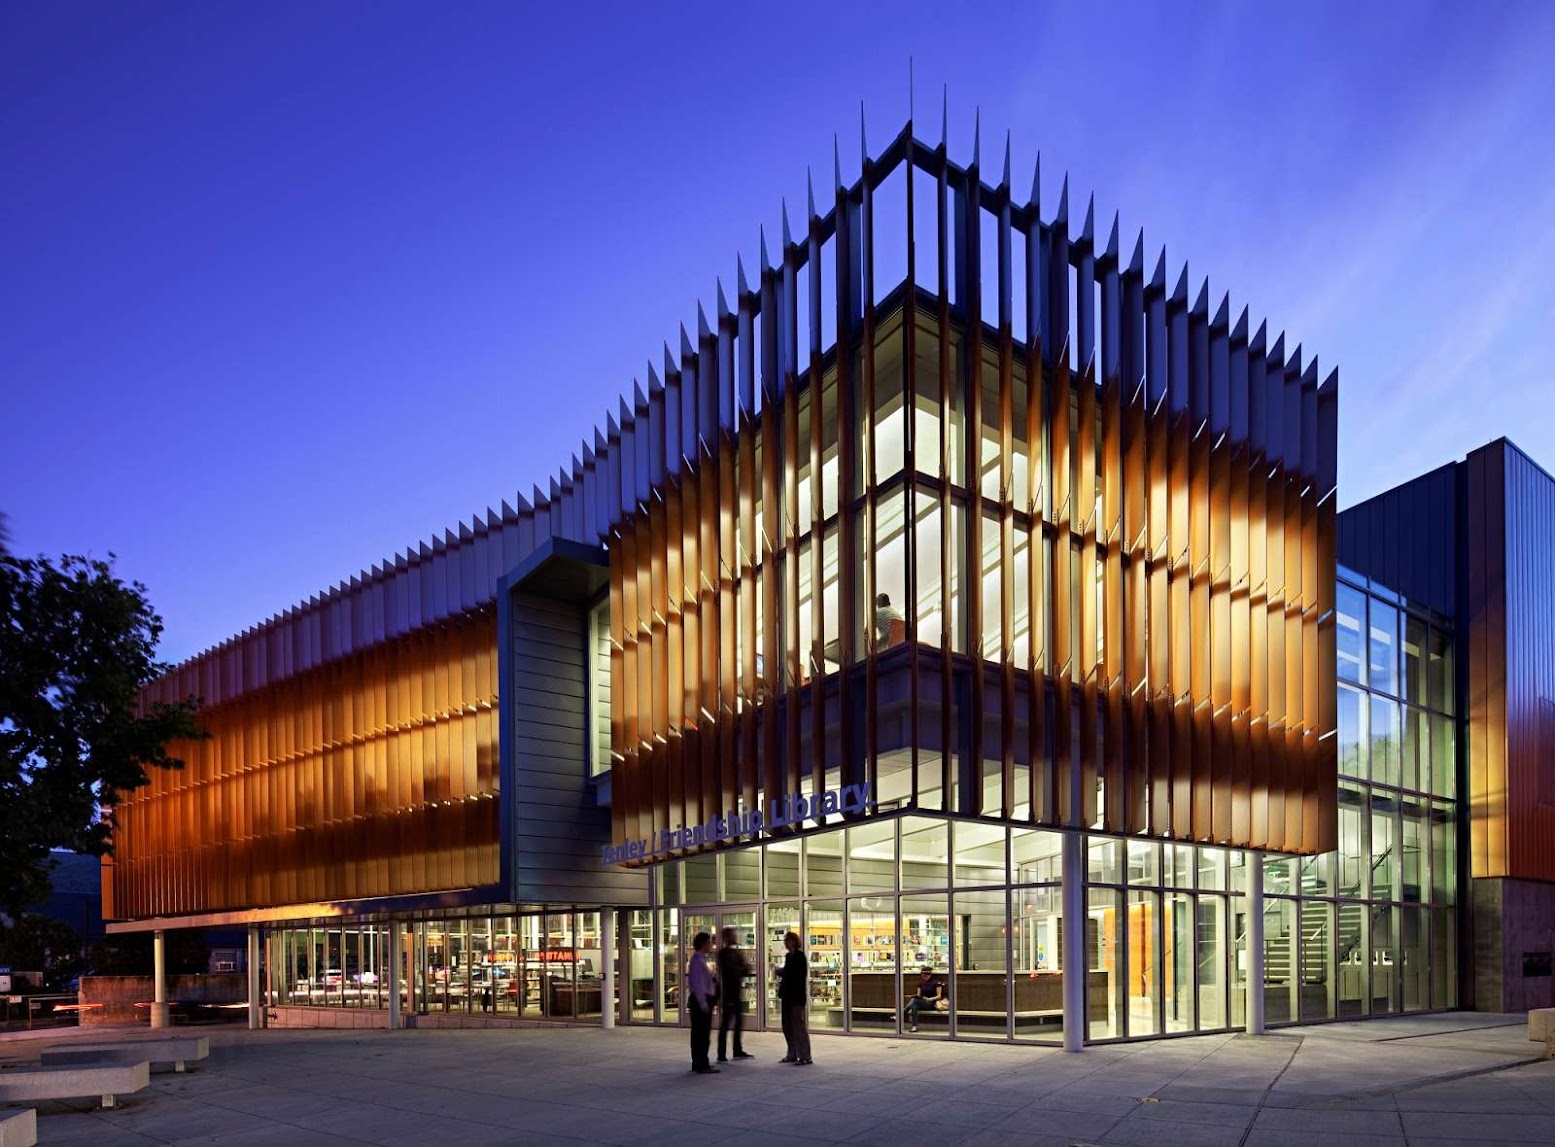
1429, 1080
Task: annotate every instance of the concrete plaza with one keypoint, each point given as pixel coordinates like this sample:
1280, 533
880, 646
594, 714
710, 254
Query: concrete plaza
1456, 1078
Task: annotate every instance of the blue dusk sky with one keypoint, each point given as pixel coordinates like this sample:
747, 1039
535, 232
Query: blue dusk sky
286, 287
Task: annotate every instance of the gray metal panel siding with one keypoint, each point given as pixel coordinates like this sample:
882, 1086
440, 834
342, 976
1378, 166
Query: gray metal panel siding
557, 827
1407, 539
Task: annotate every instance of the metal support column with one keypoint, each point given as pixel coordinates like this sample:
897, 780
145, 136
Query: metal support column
159, 1008
608, 947
1254, 871
256, 1003
393, 967
1074, 940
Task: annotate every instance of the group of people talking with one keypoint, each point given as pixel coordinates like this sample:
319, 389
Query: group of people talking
722, 984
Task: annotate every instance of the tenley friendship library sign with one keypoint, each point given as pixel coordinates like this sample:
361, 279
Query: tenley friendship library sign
793, 809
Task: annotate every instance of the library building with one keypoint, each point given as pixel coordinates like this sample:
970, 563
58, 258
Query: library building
968, 596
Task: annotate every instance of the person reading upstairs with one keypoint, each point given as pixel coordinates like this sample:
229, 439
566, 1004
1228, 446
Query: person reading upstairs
930, 995
890, 625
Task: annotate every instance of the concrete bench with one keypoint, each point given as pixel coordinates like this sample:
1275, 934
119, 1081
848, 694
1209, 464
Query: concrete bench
1541, 1029
19, 1128
964, 1016
174, 1049
71, 1081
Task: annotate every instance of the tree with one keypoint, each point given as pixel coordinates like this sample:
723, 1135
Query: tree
76, 646
33, 943
130, 954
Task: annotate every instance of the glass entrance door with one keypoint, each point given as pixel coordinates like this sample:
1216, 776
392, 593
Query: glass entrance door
743, 919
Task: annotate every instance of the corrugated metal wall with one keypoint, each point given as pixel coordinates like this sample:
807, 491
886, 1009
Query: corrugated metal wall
1511, 603
558, 827
1407, 538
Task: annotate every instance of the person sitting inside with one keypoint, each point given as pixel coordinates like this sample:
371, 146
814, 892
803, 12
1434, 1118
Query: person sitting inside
931, 990
887, 619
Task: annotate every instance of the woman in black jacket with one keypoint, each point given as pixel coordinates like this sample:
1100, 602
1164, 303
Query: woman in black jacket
794, 995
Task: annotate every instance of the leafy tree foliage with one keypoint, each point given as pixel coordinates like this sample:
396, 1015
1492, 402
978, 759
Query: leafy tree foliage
76, 646
33, 943
130, 954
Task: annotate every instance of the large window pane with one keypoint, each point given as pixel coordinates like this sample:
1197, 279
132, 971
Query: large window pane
823, 864
1414, 850
1384, 847
1104, 867
1354, 961
926, 942
1178, 957
1105, 993
1354, 860
782, 917
1210, 956
1444, 757
782, 868
590, 952
1444, 853
1382, 656
980, 854
981, 973
1144, 862
1212, 868
823, 941
929, 533
1414, 760
1413, 943
1317, 960
701, 877
1416, 653
887, 616
1439, 670
742, 874
925, 849
890, 441
1349, 632
1142, 961
639, 965
989, 643
1384, 741
872, 857
873, 962
988, 466
1281, 960
1352, 733
1384, 972
1038, 947
1035, 855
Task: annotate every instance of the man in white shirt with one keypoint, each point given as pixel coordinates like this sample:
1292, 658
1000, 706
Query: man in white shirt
701, 991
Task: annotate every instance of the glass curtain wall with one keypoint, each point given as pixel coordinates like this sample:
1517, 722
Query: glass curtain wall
547, 966
978, 905
1372, 928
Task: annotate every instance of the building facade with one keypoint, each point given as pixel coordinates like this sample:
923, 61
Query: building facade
1469, 542
962, 595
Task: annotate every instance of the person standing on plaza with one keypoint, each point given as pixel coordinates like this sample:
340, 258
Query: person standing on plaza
700, 993
733, 969
794, 995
